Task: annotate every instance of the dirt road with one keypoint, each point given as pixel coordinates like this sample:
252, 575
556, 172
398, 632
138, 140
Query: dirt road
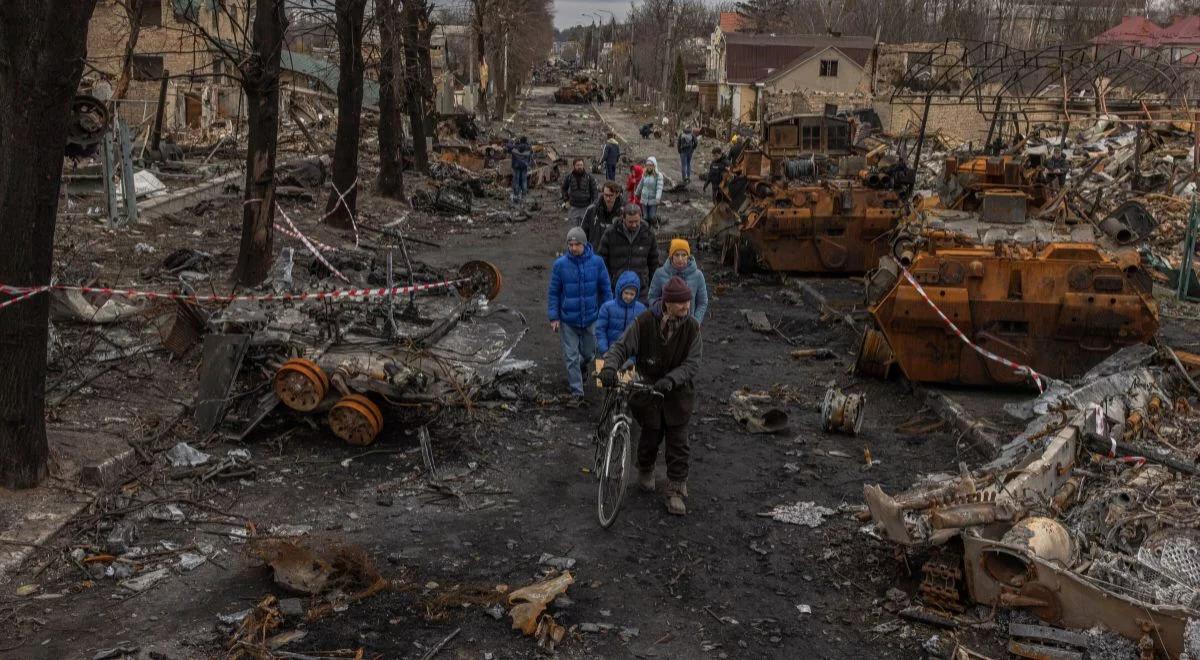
722, 582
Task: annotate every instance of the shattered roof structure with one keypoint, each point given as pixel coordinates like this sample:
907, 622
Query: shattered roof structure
326, 73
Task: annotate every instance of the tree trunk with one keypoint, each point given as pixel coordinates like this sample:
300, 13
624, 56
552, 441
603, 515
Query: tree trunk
391, 126
260, 81
414, 12
480, 7
134, 11
343, 199
42, 46
425, 64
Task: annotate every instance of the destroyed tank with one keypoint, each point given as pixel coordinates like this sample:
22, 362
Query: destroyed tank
580, 90
797, 200
1058, 308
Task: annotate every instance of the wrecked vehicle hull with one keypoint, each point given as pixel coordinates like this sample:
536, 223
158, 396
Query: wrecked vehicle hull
835, 227
1059, 310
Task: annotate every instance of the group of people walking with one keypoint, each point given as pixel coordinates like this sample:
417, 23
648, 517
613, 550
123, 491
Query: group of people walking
595, 304
615, 303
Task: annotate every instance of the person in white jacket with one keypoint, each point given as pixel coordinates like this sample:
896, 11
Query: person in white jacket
650, 191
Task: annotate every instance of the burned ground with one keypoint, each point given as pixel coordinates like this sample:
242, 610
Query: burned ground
725, 581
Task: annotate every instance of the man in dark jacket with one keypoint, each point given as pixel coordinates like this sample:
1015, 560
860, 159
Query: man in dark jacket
579, 191
611, 157
666, 346
579, 285
630, 245
601, 215
716, 172
686, 144
522, 159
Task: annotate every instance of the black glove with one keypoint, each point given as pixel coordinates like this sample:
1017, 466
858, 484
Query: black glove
664, 385
608, 377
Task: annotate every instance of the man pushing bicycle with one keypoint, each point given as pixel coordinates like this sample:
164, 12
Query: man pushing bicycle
664, 342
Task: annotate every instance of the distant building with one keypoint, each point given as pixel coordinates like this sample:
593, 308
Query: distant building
199, 91
742, 66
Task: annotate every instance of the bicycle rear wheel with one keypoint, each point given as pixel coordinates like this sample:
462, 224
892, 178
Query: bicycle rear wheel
615, 458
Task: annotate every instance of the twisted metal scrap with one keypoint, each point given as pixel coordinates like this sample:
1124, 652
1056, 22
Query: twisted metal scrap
986, 70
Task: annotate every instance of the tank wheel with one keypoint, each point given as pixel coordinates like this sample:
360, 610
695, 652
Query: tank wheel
356, 419
300, 384
484, 278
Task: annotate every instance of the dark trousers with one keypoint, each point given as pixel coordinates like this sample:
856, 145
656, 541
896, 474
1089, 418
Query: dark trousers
610, 171
677, 450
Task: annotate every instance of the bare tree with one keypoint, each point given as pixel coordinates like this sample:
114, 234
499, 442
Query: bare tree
42, 44
391, 126
414, 20
134, 9
343, 199
257, 71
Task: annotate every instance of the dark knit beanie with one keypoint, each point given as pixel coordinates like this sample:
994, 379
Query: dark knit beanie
676, 291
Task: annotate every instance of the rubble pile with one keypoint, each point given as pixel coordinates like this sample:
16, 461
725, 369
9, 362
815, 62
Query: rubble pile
1086, 518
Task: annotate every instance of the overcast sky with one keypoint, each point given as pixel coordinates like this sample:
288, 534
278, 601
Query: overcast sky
570, 12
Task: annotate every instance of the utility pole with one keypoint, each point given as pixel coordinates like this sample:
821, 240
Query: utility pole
666, 72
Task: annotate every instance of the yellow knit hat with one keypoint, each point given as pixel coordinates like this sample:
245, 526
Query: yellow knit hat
678, 244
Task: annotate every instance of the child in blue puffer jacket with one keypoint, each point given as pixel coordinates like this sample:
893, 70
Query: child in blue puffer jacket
619, 313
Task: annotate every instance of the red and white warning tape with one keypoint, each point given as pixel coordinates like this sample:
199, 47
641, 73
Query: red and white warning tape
25, 292
297, 235
310, 247
1017, 368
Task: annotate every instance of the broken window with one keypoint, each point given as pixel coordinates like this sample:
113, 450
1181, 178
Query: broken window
839, 137
829, 68
810, 138
151, 13
147, 67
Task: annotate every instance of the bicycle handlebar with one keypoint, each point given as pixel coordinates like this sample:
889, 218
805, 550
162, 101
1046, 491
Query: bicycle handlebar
634, 386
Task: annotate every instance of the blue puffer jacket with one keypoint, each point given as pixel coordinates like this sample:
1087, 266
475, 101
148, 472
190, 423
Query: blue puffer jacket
578, 287
695, 280
615, 315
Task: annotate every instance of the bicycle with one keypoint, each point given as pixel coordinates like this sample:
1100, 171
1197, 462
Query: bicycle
611, 461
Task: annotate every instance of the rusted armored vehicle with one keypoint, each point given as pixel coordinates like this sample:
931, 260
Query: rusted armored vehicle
1058, 308
580, 90
997, 186
799, 200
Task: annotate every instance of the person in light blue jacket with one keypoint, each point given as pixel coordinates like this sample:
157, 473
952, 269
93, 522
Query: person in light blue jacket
650, 190
579, 286
681, 263
619, 313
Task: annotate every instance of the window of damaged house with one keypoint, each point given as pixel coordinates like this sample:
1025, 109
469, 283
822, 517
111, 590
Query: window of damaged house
810, 137
147, 67
151, 13
829, 68
839, 136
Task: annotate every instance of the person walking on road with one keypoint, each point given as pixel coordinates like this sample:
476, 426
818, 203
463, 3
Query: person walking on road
579, 191
631, 182
666, 346
650, 190
630, 245
686, 145
522, 159
618, 314
716, 172
601, 215
579, 286
681, 263
611, 157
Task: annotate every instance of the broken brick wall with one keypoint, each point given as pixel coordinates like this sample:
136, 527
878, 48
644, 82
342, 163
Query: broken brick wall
199, 89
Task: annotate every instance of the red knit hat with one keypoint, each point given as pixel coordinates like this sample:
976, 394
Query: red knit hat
676, 291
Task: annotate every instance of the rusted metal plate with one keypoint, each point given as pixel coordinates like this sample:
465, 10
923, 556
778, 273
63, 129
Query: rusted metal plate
1060, 310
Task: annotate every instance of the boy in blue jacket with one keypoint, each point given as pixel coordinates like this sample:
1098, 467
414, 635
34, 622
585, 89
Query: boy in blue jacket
619, 313
578, 289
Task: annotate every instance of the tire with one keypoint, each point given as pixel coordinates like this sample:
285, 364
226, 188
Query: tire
610, 489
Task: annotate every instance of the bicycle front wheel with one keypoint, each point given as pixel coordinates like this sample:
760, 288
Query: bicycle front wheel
614, 459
